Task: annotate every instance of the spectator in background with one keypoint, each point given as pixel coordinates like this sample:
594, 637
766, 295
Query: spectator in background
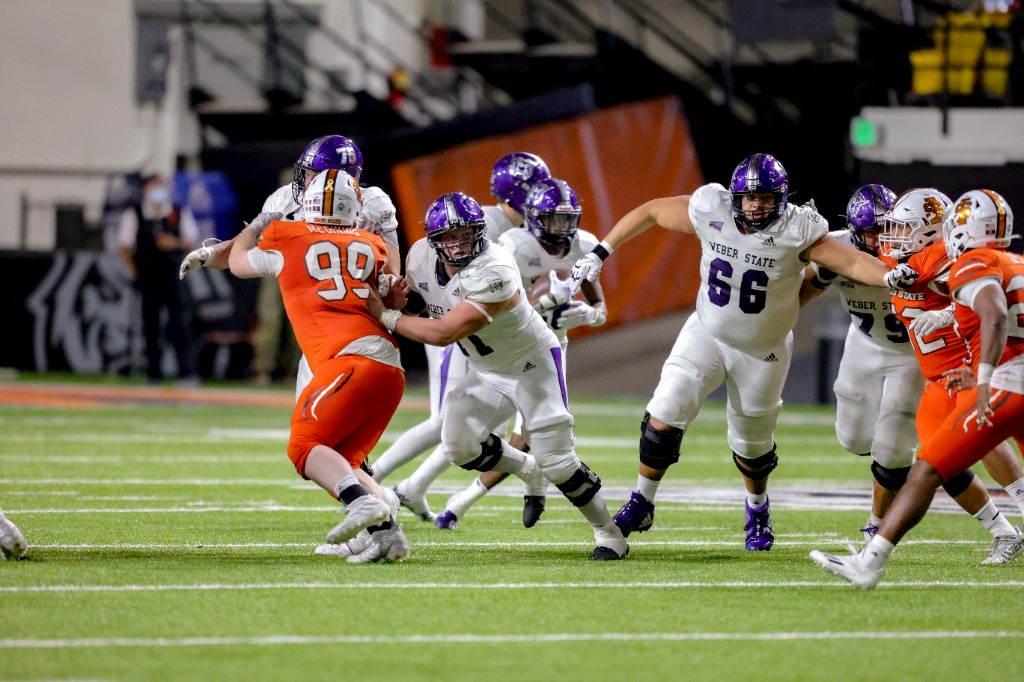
153, 238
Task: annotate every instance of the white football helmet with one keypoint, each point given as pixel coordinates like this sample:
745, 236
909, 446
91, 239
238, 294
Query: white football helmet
331, 199
980, 218
913, 222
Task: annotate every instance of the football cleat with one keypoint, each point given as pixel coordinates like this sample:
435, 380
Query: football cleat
636, 515
1005, 549
385, 547
869, 531
759, 528
533, 478
365, 511
850, 568
356, 545
13, 545
414, 500
611, 545
391, 499
533, 507
446, 520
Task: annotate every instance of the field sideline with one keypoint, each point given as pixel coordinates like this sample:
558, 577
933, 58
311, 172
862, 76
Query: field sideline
172, 539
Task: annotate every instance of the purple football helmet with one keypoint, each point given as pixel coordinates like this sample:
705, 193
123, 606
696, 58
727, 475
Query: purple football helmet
454, 211
865, 212
553, 213
513, 176
758, 174
326, 153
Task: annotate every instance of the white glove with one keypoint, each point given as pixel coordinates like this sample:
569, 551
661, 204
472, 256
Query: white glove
931, 321
385, 546
577, 314
195, 260
377, 213
384, 282
261, 221
559, 293
586, 268
901, 277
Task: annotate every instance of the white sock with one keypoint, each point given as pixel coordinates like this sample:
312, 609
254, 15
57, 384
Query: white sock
756, 500
647, 487
1016, 492
874, 521
512, 460
408, 446
994, 521
460, 502
475, 491
877, 552
433, 466
345, 482
597, 514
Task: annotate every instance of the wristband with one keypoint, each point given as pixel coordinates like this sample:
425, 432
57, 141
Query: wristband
603, 250
985, 372
820, 284
600, 317
389, 318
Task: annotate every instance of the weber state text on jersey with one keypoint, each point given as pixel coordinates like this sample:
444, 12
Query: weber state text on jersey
871, 310
750, 283
491, 277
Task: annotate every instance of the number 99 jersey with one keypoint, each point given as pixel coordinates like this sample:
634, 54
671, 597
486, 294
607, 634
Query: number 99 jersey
491, 277
323, 272
750, 283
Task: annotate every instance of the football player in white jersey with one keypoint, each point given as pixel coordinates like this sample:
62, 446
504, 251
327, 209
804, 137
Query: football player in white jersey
12, 542
511, 179
754, 247
473, 292
879, 383
552, 240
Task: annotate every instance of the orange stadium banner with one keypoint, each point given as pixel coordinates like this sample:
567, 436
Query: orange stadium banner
615, 159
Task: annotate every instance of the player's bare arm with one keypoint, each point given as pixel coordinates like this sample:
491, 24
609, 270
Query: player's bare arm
671, 213
812, 285
852, 264
238, 259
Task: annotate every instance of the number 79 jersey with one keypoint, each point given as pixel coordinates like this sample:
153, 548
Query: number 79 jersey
323, 273
491, 277
750, 283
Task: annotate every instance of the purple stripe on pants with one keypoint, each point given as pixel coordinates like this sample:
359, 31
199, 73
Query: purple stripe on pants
446, 360
556, 353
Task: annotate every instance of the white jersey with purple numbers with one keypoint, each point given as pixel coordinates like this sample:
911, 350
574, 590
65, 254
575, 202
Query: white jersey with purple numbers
750, 283
490, 278
534, 261
497, 222
871, 311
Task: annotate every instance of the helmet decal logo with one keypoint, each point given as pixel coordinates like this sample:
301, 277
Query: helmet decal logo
962, 212
934, 210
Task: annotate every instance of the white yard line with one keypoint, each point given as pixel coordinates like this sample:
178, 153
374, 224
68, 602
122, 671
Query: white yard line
471, 638
360, 585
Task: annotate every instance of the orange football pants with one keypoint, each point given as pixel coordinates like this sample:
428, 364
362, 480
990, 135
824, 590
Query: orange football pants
935, 405
346, 406
958, 442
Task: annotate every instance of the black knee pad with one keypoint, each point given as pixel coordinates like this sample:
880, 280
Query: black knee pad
490, 455
760, 467
959, 483
581, 486
890, 479
659, 449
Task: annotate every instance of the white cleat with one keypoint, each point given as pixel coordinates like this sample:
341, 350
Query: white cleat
365, 511
611, 545
356, 545
391, 499
850, 568
385, 546
1005, 549
13, 545
533, 478
415, 501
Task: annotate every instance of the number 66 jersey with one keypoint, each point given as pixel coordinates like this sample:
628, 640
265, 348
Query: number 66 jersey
491, 277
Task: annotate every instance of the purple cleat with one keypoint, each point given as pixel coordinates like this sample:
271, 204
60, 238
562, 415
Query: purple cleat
446, 520
759, 528
636, 515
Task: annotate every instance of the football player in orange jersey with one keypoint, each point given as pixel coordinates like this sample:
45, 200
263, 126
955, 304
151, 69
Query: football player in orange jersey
325, 267
987, 285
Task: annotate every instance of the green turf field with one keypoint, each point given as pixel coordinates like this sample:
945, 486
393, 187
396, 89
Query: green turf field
175, 541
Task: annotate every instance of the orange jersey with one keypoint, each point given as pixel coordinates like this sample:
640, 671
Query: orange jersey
324, 282
1008, 270
942, 350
